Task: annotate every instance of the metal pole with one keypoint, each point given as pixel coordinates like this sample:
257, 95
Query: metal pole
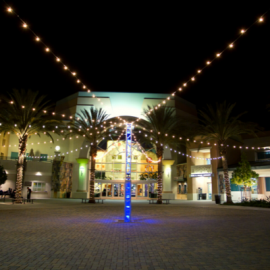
127, 210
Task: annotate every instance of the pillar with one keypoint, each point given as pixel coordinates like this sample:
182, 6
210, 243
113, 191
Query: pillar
167, 179
81, 192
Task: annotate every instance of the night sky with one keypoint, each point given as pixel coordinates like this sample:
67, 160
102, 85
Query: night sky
139, 47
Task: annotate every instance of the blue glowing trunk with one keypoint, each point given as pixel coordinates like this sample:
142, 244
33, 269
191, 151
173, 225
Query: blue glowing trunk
127, 211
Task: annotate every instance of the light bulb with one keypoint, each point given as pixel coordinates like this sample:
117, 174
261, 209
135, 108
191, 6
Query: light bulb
25, 25
218, 54
185, 84
231, 45
73, 73
193, 79
199, 71
243, 31
37, 39
180, 89
208, 62
65, 67
9, 9
261, 20
47, 49
78, 81
58, 59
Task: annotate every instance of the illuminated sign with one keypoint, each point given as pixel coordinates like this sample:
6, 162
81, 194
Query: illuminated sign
202, 175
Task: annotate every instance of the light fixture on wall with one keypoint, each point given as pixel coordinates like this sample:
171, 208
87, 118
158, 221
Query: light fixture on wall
57, 148
82, 170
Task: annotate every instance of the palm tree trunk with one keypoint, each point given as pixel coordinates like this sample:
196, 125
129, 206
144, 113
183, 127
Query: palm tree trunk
93, 153
226, 177
159, 177
20, 165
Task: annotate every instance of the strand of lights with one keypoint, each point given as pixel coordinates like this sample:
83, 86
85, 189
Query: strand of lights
47, 49
191, 79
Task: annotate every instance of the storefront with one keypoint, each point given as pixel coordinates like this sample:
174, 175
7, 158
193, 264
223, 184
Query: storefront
115, 189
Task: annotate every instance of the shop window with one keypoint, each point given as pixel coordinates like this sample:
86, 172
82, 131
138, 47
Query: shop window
133, 167
235, 187
267, 183
263, 155
39, 187
117, 167
14, 155
43, 157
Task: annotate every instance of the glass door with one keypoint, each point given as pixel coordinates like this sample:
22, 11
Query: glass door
209, 191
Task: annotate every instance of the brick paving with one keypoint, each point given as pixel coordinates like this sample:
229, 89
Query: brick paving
66, 234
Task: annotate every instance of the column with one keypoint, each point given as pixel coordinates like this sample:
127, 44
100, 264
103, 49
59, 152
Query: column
81, 192
167, 179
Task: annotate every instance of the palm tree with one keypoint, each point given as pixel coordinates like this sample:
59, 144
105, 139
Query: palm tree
217, 124
162, 128
24, 113
91, 124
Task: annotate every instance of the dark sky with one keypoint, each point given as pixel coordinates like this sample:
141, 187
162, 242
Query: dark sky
138, 47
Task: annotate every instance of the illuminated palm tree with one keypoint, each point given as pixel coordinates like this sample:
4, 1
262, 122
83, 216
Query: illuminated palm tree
24, 113
162, 128
219, 125
92, 125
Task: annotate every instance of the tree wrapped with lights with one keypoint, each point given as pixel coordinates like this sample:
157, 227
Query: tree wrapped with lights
162, 128
25, 114
217, 124
91, 124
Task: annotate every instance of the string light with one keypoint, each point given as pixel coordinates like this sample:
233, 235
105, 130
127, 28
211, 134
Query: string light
180, 89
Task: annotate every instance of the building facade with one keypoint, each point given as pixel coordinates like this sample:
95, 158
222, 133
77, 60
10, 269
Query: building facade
61, 169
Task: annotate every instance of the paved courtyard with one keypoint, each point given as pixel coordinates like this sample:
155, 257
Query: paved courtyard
66, 234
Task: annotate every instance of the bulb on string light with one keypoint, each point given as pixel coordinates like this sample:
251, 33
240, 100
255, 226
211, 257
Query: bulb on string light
180, 89
88, 91
9, 9
24, 25
78, 81
208, 62
261, 19
37, 39
65, 67
58, 59
231, 45
74, 73
47, 49
84, 87
242, 31
199, 71
218, 55
184, 84
193, 79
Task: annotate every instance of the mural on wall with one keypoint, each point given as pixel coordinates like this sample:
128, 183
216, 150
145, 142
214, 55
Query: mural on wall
61, 176
182, 172
66, 177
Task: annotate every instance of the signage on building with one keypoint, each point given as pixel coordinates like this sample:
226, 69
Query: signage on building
201, 171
